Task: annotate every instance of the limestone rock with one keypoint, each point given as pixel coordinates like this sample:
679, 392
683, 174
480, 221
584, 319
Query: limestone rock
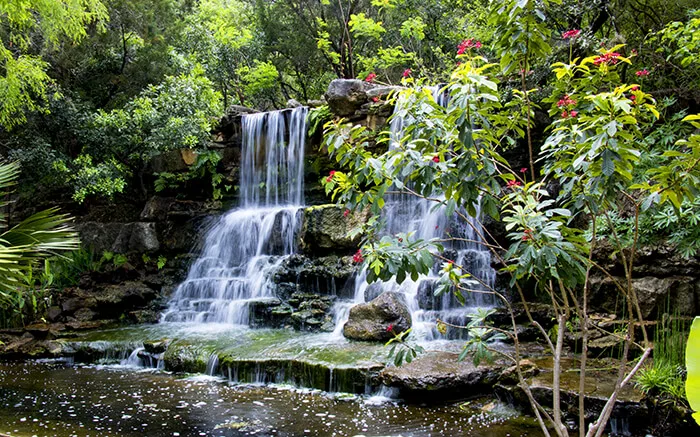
293, 103
440, 375
383, 91
345, 96
326, 228
370, 321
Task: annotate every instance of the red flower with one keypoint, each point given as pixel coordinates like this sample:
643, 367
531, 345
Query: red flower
407, 72
607, 58
528, 235
566, 101
633, 97
523, 170
466, 45
375, 99
330, 176
573, 33
357, 257
370, 77
390, 327
400, 240
346, 212
642, 73
573, 114
564, 114
635, 88
512, 183
634, 52
436, 158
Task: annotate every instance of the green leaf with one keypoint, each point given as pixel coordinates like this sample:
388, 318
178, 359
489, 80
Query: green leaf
692, 364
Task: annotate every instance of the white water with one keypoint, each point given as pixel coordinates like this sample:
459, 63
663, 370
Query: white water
248, 243
406, 214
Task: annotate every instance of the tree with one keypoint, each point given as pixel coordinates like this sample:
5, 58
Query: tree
29, 28
450, 156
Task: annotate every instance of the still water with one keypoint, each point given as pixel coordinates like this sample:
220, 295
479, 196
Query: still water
52, 399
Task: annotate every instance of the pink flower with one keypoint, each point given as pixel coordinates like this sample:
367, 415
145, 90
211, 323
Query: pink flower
407, 72
642, 73
390, 328
512, 183
436, 158
528, 235
346, 213
375, 99
573, 114
523, 170
634, 88
370, 77
633, 97
357, 257
564, 114
573, 33
330, 176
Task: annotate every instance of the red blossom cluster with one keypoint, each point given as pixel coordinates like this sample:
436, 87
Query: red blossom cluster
523, 170
466, 45
642, 73
436, 158
370, 77
512, 183
573, 33
607, 58
330, 176
346, 213
375, 99
390, 328
566, 101
357, 257
407, 72
528, 235
570, 114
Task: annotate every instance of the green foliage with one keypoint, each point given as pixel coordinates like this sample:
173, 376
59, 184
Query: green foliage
29, 25
317, 117
260, 79
692, 365
203, 168
401, 349
25, 244
88, 180
68, 269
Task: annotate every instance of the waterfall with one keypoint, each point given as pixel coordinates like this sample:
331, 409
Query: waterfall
248, 243
405, 213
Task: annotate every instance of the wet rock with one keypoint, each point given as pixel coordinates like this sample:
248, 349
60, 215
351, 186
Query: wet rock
156, 346
327, 228
84, 314
654, 294
157, 208
370, 321
510, 375
440, 376
144, 316
345, 96
329, 275
123, 238
292, 103
53, 313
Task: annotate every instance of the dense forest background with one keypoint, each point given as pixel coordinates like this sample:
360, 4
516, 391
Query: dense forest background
91, 90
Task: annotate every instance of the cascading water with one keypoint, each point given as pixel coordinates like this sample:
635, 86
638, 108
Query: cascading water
248, 243
406, 213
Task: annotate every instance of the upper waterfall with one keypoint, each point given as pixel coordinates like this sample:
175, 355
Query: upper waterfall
249, 242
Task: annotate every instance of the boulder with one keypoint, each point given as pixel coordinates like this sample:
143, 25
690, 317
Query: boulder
379, 319
440, 376
383, 91
345, 96
327, 228
293, 103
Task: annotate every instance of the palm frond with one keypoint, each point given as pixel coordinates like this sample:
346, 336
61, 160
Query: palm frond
45, 232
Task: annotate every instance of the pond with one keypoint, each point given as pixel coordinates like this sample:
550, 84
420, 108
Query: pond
49, 398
